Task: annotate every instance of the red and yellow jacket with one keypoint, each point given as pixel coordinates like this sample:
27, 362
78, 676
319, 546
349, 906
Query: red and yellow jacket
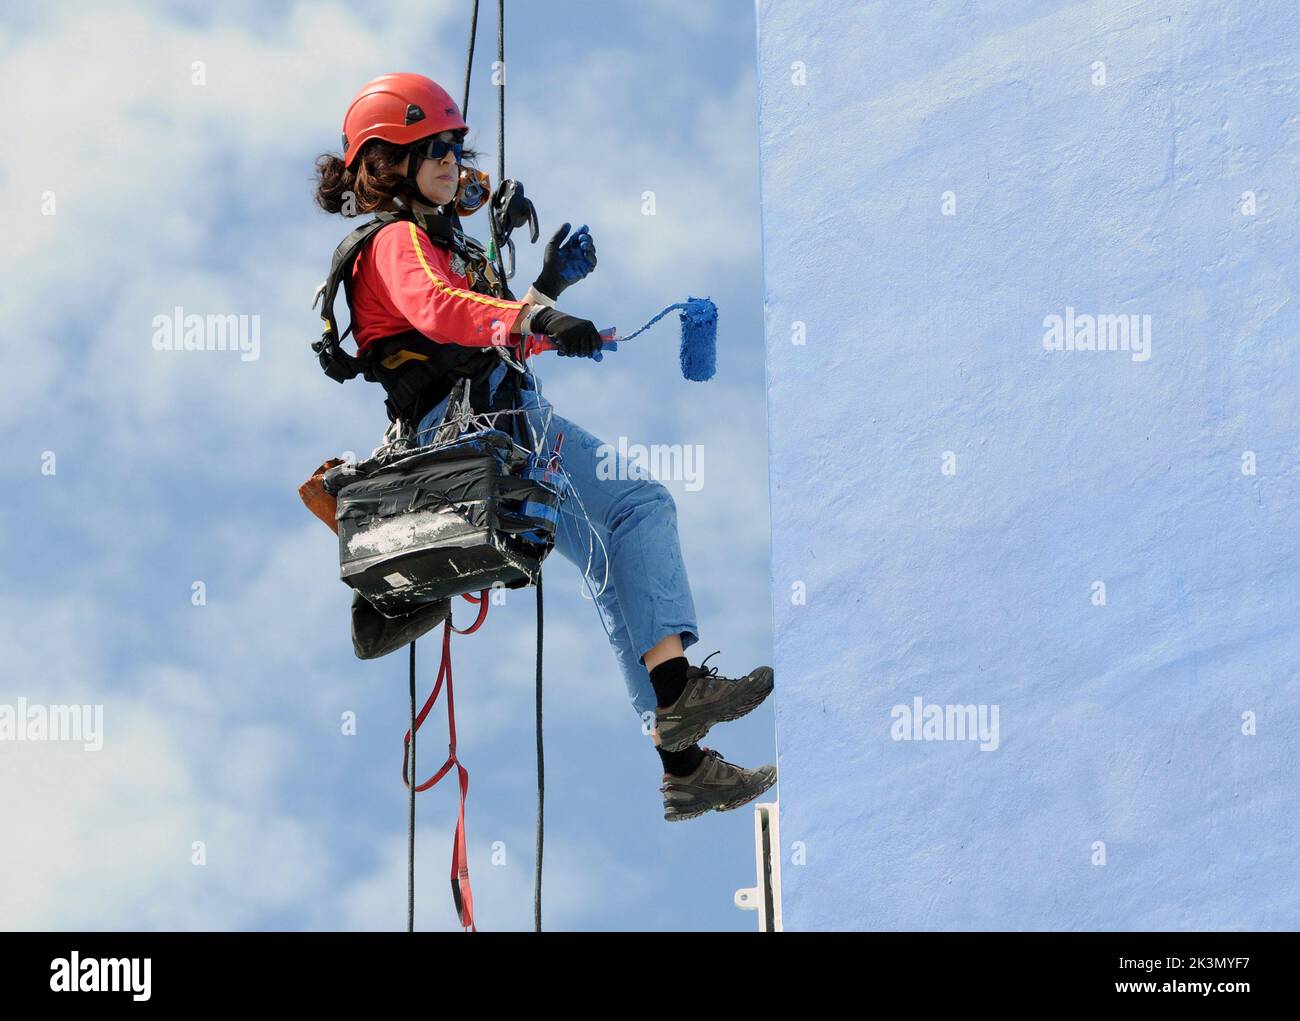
402, 281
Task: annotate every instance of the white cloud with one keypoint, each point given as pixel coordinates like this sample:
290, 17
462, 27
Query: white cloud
106, 837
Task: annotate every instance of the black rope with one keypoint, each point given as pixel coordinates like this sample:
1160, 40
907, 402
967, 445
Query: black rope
501, 92
469, 62
499, 243
541, 770
410, 810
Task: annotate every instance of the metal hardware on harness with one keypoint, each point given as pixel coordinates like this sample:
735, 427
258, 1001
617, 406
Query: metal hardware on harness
513, 362
475, 189
458, 417
509, 209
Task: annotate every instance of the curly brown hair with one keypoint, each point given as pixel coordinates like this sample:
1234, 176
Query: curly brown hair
371, 183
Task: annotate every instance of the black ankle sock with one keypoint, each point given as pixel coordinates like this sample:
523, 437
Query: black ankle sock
681, 763
669, 680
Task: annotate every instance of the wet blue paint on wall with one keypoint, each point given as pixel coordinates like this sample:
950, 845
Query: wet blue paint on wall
1030, 276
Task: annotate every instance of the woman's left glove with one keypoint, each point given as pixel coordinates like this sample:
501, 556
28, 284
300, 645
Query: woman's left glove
573, 337
566, 262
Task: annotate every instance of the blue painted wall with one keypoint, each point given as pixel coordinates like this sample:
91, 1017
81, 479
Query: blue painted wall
950, 492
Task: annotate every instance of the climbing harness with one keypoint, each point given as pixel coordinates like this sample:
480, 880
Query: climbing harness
415, 372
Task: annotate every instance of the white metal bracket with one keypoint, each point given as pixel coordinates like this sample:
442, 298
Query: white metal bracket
765, 897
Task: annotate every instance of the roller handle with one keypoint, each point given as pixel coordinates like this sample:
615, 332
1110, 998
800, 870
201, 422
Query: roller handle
538, 342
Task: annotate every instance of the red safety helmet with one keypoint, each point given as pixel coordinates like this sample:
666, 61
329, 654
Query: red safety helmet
399, 108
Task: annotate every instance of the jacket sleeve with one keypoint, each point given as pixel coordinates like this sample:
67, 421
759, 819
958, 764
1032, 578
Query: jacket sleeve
418, 279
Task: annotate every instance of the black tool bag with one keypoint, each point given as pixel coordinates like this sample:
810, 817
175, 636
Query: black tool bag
374, 635
438, 522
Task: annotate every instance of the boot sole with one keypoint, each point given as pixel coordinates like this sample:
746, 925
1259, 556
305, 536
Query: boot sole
700, 728
726, 806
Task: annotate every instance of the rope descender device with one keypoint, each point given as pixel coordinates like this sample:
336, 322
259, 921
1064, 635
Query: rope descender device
510, 209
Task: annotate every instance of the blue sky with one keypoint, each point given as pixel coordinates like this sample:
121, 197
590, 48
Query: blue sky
128, 190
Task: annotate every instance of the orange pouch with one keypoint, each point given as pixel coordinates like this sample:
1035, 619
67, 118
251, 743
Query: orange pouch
319, 502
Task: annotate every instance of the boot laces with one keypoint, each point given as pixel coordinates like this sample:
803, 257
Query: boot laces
709, 674
715, 754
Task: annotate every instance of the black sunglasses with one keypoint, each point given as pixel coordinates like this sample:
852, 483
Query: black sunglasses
435, 148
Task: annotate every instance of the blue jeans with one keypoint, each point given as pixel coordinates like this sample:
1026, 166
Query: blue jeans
636, 569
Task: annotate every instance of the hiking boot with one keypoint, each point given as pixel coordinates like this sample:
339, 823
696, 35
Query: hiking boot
716, 786
708, 699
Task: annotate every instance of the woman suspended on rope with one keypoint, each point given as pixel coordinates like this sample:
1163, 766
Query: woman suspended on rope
428, 310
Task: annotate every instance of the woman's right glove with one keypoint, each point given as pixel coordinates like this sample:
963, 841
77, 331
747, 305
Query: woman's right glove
574, 337
566, 262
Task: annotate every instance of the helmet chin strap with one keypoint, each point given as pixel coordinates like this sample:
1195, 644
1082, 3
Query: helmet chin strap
410, 186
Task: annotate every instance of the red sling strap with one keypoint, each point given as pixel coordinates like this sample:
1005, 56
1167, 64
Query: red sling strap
460, 888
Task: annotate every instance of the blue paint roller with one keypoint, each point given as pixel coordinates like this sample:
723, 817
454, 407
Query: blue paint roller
699, 347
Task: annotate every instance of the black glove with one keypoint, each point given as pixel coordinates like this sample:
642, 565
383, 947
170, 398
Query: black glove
573, 336
566, 262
